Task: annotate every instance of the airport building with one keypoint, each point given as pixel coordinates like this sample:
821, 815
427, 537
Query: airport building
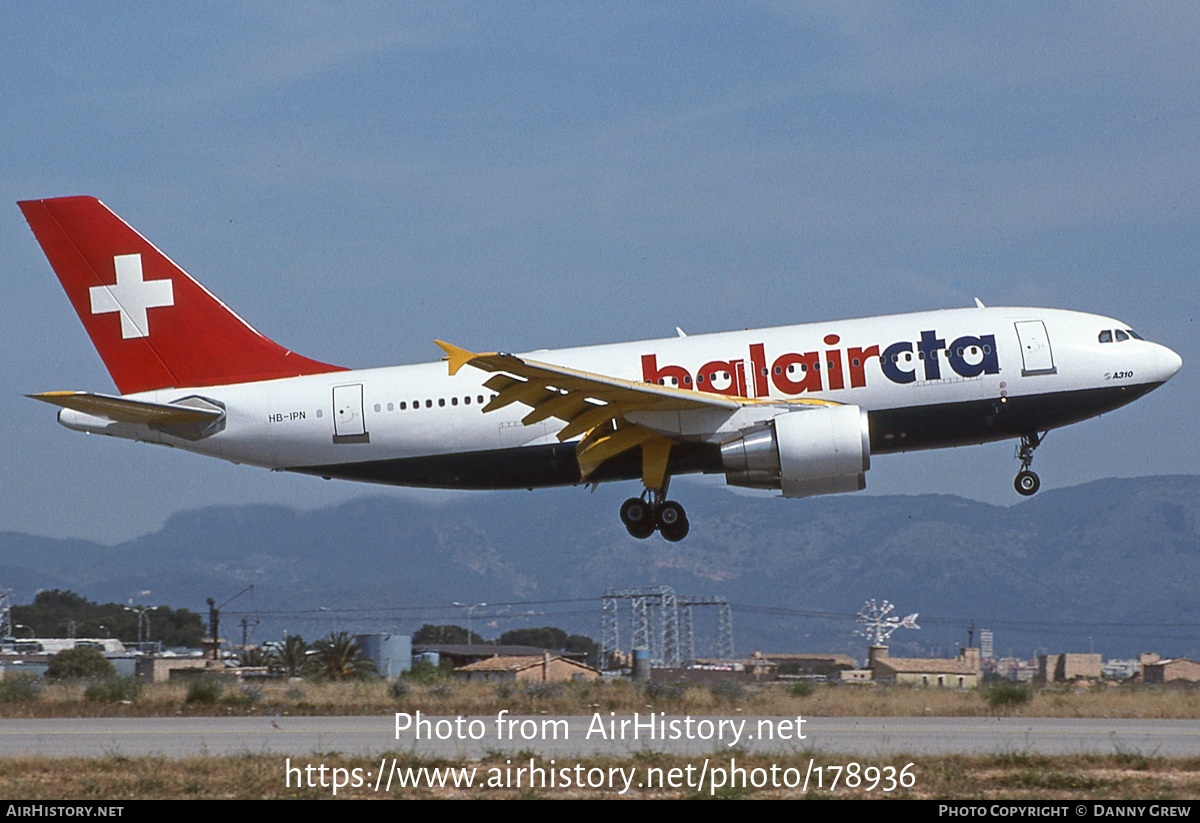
1177, 668
549, 668
961, 672
1063, 668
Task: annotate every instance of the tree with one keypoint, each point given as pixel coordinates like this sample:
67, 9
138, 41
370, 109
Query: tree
550, 637
58, 613
291, 657
429, 635
547, 637
586, 645
338, 657
79, 664
255, 657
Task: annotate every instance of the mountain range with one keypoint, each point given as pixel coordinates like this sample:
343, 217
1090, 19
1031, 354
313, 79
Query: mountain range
1110, 566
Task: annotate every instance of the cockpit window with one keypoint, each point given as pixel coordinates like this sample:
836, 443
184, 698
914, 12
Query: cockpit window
1106, 336
1121, 336
1135, 335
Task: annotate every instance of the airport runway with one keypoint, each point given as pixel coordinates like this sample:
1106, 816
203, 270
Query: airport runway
578, 736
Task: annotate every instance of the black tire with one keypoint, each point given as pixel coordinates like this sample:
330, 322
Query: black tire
636, 514
1027, 483
676, 532
641, 532
669, 515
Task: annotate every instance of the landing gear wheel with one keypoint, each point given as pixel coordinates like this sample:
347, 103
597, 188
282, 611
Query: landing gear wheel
672, 521
642, 517
669, 515
676, 532
638, 517
1027, 482
640, 532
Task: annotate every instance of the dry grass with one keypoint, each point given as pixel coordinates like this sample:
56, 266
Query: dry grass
451, 697
1000, 777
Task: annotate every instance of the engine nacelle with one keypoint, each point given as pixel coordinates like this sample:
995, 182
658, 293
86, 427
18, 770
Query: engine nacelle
812, 451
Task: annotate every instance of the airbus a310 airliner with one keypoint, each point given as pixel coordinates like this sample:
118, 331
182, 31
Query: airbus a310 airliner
799, 409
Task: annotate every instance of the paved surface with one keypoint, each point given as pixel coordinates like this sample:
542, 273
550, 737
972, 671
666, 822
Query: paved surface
303, 736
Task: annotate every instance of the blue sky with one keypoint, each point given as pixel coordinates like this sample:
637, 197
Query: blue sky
358, 179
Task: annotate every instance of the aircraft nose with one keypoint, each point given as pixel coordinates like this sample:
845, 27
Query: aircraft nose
1169, 362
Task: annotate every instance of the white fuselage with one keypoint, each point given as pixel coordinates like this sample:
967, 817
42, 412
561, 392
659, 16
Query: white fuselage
971, 374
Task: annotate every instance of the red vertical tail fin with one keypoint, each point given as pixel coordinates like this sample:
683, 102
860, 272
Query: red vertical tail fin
153, 325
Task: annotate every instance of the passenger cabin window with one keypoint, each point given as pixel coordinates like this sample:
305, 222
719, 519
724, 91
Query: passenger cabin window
1106, 336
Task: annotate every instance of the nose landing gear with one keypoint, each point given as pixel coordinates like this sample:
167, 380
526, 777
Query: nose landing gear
1027, 482
652, 512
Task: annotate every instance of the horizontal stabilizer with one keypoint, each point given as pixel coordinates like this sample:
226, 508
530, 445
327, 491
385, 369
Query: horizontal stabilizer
122, 410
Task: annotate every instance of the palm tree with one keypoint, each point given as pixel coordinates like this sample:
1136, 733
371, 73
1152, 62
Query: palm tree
291, 657
255, 657
338, 657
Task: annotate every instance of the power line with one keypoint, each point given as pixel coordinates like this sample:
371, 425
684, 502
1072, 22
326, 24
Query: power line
431, 612
422, 608
956, 621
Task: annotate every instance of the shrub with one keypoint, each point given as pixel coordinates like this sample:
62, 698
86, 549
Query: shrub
1008, 694
204, 690
247, 695
252, 693
727, 691
20, 689
114, 690
399, 690
80, 664
801, 688
663, 691
423, 672
540, 690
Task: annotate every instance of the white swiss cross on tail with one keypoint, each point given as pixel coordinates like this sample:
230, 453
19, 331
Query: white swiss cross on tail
132, 296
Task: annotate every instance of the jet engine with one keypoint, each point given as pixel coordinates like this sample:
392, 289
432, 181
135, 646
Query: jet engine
816, 450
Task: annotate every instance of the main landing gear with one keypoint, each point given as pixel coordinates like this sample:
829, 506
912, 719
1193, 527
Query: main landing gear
652, 512
1027, 482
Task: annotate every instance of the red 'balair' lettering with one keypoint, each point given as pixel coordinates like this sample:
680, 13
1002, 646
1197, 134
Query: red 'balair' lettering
811, 371
858, 364
651, 373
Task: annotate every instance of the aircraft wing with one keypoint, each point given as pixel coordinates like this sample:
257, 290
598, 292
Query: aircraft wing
593, 405
122, 410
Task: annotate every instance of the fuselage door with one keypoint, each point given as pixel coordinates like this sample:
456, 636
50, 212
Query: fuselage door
1036, 356
349, 425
